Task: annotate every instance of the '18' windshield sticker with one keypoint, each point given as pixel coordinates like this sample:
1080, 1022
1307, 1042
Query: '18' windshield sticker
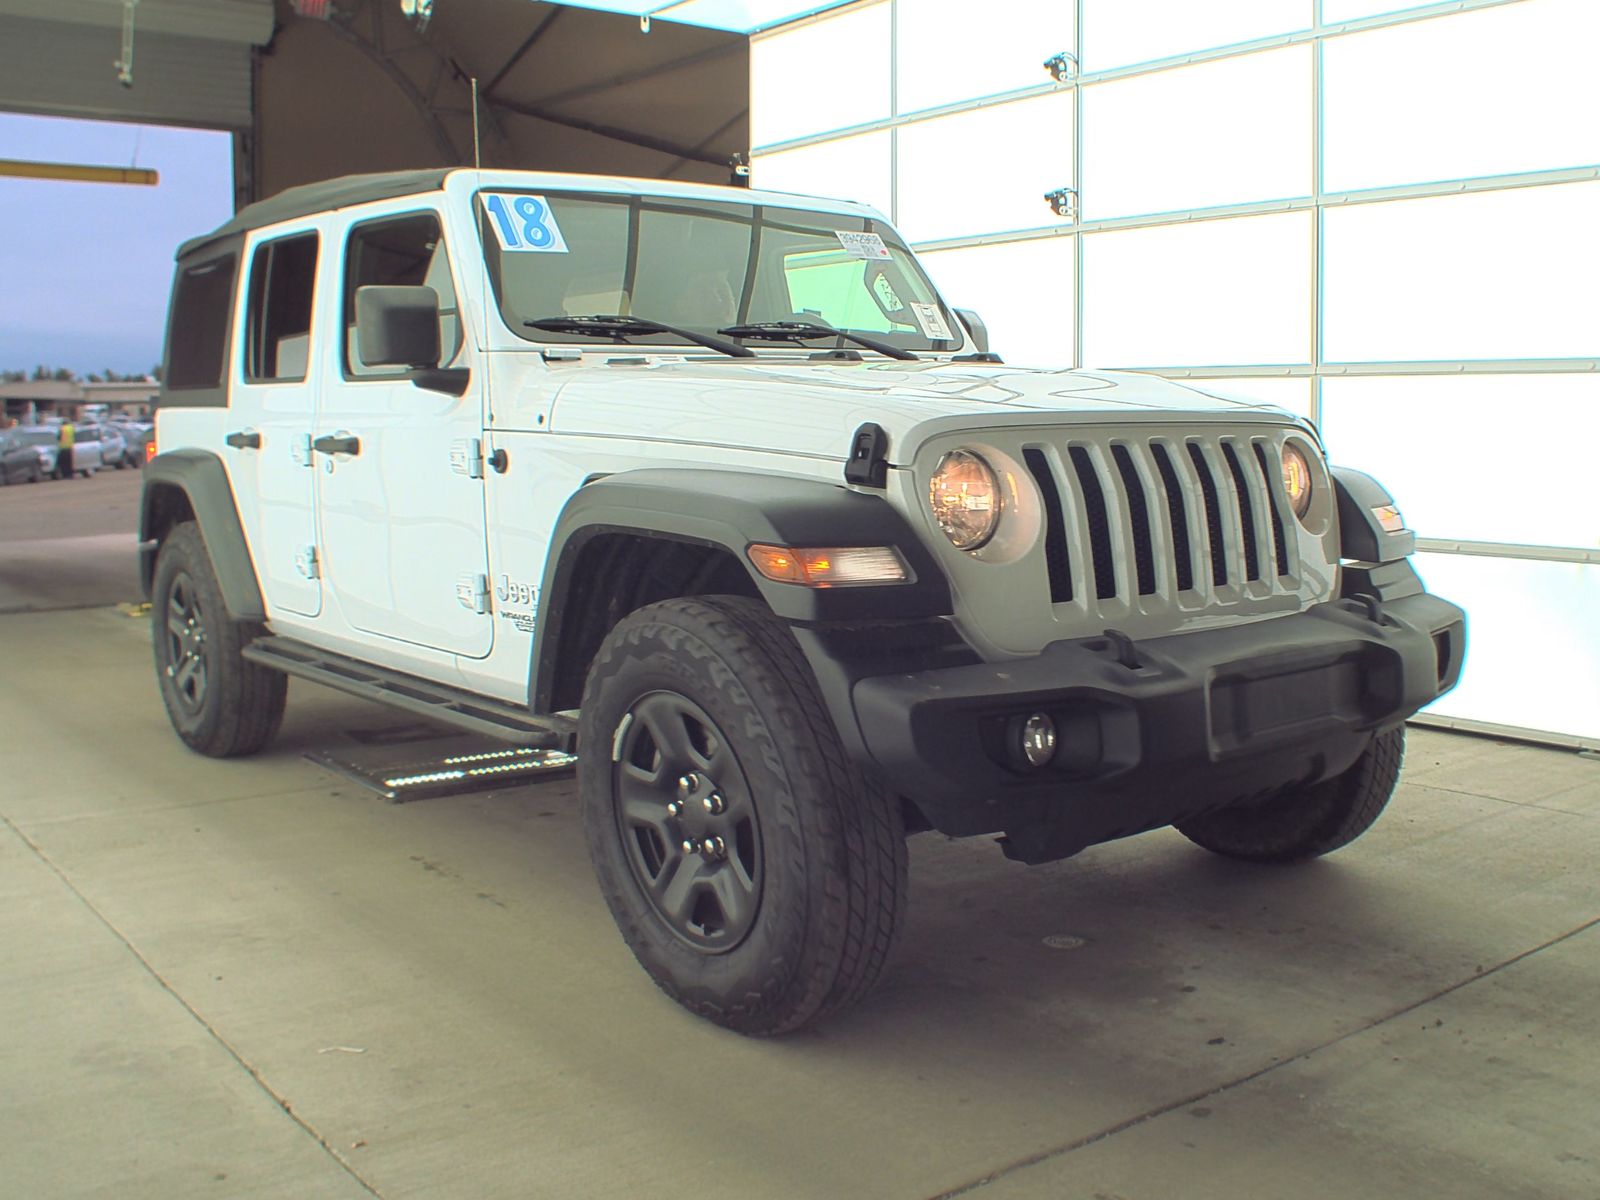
524, 223
931, 321
861, 245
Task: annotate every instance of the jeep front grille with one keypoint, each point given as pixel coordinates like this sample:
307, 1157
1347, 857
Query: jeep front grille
1188, 521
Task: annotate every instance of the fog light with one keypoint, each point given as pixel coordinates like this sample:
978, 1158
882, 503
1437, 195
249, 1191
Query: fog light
1038, 738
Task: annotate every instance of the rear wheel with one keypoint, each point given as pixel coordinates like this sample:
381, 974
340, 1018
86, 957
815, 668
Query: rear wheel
754, 873
219, 703
1310, 821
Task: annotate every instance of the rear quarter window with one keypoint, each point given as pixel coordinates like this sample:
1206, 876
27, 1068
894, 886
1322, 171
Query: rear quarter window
197, 329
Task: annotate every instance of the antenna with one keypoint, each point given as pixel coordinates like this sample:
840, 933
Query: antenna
477, 161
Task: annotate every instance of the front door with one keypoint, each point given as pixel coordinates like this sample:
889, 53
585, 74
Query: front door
398, 466
272, 411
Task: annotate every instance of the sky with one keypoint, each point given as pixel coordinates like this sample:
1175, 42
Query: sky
85, 268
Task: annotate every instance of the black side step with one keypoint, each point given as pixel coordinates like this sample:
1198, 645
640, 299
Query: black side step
453, 706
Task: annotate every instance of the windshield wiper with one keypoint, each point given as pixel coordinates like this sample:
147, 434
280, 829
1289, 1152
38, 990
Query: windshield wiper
801, 331
618, 326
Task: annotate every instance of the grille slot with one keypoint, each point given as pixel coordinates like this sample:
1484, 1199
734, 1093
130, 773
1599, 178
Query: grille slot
1178, 512
1139, 517
1280, 545
1247, 513
1208, 490
1057, 560
1094, 508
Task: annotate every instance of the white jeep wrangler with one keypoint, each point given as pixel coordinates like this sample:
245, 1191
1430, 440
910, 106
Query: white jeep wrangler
713, 487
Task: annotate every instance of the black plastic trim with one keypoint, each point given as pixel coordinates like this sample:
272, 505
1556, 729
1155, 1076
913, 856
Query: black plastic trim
731, 510
1361, 538
201, 477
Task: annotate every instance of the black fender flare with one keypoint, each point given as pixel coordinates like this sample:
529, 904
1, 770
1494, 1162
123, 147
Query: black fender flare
731, 510
202, 478
1361, 537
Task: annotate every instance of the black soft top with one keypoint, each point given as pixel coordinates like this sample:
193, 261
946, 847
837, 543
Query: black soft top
318, 197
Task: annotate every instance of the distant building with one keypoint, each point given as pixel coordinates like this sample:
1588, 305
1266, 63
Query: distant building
29, 401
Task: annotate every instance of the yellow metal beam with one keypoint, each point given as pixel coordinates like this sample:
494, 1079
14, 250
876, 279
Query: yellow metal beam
76, 172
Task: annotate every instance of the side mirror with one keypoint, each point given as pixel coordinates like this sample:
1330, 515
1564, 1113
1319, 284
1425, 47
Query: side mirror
976, 327
397, 326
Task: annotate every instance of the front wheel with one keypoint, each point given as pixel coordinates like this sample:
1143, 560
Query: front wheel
1308, 821
219, 703
752, 870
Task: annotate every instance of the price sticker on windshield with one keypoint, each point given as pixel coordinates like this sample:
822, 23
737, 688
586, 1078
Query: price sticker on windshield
861, 245
523, 223
931, 322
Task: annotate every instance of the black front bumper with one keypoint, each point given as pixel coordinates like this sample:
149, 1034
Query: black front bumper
1148, 733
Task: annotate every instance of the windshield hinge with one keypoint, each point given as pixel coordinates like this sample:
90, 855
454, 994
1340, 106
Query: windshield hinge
466, 457
561, 354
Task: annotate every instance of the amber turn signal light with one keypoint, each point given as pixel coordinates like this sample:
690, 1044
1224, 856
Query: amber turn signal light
833, 566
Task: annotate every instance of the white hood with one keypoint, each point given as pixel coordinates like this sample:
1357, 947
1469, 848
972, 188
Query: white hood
813, 409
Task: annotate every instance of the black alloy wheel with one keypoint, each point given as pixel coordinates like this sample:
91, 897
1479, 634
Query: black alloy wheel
688, 825
187, 663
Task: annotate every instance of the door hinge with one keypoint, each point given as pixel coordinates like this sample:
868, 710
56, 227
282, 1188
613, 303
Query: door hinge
300, 449
472, 593
466, 457
307, 562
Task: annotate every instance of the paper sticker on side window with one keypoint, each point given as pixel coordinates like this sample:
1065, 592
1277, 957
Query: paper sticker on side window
524, 223
931, 321
861, 245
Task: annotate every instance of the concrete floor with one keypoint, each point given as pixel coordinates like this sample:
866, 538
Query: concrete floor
254, 979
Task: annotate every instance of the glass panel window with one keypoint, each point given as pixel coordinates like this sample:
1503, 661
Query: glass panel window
404, 251
283, 276
1217, 133
1199, 294
1410, 104
1334, 11
1119, 32
197, 328
819, 76
985, 171
855, 168
1551, 682
1475, 458
1004, 50
1505, 274
1023, 292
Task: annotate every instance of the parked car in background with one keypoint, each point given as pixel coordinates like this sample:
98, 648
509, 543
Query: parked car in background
136, 437
19, 461
113, 447
86, 450
42, 440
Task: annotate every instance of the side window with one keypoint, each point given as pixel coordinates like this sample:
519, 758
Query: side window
197, 333
282, 281
404, 251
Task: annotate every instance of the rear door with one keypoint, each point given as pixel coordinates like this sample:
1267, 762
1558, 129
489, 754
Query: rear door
267, 444
400, 469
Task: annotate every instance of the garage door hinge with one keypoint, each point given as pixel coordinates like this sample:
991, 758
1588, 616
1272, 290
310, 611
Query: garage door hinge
307, 563
466, 457
472, 593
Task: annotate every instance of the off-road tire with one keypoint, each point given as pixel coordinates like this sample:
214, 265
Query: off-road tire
1311, 821
831, 844
239, 705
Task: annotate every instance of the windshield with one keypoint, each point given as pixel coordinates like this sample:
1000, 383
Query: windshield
703, 265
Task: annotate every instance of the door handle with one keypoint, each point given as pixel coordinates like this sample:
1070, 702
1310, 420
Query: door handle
339, 443
244, 439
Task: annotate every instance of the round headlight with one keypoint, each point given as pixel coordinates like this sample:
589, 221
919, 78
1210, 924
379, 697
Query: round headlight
1297, 479
965, 496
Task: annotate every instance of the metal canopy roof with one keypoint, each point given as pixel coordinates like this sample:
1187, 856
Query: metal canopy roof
735, 16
